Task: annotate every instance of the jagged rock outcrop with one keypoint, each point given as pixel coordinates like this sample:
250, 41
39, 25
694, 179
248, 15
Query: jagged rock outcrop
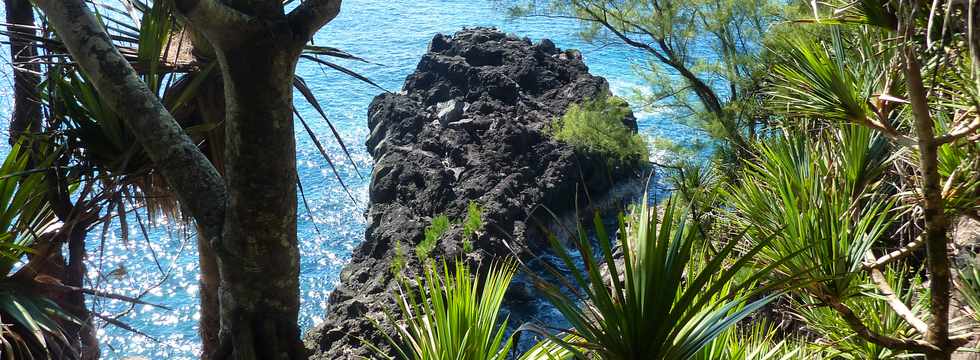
469, 125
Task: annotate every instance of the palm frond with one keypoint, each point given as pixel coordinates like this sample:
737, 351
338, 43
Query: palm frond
666, 299
797, 196
454, 315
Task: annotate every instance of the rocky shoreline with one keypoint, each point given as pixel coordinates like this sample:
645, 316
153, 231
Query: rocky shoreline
469, 125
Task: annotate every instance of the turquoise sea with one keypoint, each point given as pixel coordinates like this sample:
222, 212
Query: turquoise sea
392, 33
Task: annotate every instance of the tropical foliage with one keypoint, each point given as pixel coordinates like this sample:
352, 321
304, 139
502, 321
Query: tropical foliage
838, 340
802, 201
33, 323
916, 97
439, 225
666, 298
861, 155
596, 126
85, 164
662, 294
849, 146
454, 315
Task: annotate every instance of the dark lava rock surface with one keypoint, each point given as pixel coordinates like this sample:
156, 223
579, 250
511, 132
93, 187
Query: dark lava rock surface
469, 125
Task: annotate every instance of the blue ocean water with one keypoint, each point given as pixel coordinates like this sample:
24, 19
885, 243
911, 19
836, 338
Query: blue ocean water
392, 33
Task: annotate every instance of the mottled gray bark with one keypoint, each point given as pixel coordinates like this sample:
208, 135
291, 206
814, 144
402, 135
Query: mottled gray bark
210, 323
258, 258
186, 169
210, 105
249, 218
310, 16
259, 270
88, 342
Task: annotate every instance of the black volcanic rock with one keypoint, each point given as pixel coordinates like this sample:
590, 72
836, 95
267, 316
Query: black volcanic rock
497, 96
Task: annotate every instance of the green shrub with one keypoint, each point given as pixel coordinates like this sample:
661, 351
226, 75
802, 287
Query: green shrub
398, 261
597, 126
472, 224
455, 314
440, 224
754, 341
674, 295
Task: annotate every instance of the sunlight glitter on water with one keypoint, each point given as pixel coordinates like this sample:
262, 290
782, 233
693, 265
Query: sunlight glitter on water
394, 33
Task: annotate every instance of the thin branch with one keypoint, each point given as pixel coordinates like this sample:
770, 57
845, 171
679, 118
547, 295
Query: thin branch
960, 132
879, 263
894, 302
52, 286
123, 326
856, 324
888, 131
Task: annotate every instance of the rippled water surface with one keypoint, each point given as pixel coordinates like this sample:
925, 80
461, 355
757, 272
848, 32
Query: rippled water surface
392, 33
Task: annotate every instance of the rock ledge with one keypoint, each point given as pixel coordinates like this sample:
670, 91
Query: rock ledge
469, 125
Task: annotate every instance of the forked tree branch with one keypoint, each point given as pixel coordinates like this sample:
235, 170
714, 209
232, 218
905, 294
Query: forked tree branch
862, 330
218, 22
196, 182
310, 16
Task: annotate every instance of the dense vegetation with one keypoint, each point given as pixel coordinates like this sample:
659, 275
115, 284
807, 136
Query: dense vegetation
597, 127
846, 150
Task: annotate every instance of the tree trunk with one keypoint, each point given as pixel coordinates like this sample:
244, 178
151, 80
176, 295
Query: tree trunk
934, 214
211, 110
259, 265
26, 116
210, 314
88, 341
249, 217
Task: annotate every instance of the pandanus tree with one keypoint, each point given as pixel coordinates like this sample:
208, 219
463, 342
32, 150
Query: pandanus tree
656, 287
890, 89
245, 213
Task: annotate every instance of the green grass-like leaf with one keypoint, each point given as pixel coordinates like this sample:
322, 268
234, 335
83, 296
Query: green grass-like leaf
454, 315
670, 297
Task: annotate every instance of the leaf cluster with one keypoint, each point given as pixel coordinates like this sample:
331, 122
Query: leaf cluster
596, 126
